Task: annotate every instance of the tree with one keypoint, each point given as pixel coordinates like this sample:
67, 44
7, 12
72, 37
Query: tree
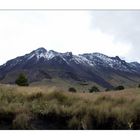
94, 89
71, 89
22, 80
119, 88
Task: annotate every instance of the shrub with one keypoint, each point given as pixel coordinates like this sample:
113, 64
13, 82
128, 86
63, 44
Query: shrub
119, 88
94, 89
139, 86
108, 89
71, 89
22, 80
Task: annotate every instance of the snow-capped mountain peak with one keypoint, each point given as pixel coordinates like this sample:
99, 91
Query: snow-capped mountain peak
108, 62
88, 59
41, 50
51, 54
38, 53
95, 67
48, 55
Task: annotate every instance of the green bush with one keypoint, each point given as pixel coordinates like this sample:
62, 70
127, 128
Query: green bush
71, 89
139, 86
22, 80
119, 88
94, 89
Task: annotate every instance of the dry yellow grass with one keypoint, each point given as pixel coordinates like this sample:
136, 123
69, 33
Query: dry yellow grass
50, 108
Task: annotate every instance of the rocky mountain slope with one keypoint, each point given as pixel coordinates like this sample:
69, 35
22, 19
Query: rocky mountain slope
94, 67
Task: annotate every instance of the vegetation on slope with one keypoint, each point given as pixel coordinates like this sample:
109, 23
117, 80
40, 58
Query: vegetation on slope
36, 108
22, 80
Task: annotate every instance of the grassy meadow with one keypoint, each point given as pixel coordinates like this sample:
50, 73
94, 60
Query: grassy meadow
43, 108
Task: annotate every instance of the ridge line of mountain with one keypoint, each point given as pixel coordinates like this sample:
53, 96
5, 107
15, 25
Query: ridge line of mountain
96, 67
42, 49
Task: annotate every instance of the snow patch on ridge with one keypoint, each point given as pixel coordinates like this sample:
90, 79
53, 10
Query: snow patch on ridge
87, 59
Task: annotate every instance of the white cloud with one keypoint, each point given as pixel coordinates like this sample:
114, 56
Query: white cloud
23, 31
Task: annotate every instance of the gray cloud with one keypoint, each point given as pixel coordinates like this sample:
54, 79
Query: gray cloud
124, 25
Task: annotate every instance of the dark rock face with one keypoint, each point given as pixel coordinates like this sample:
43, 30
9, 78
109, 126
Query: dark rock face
42, 64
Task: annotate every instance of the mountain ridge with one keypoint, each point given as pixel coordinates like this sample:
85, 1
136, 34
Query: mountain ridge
42, 64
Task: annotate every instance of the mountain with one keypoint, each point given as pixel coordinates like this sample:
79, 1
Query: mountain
41, 64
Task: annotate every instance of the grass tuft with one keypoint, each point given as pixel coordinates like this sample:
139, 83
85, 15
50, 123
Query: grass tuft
28, 108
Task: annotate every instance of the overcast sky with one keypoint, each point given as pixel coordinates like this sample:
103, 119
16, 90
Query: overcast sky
108, 32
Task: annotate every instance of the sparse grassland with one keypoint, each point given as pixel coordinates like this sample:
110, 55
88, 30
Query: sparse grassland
50, 108
81, 87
